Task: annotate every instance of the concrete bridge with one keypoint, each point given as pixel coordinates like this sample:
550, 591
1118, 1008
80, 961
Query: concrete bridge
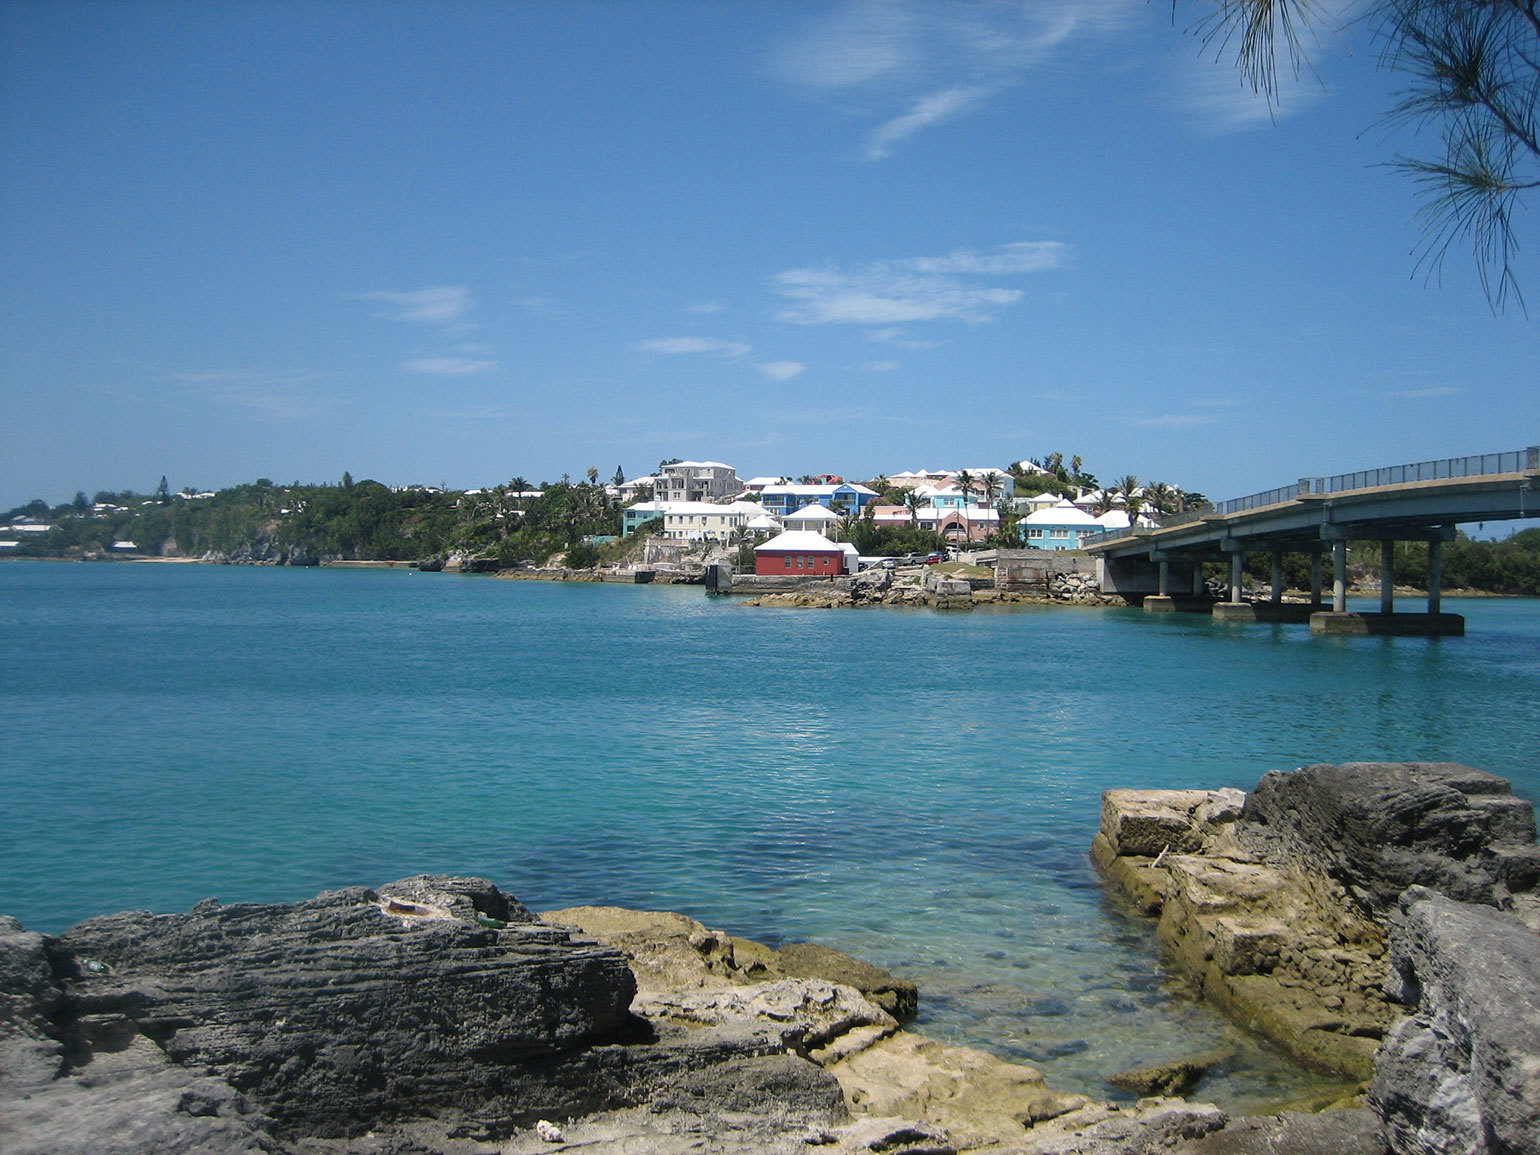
1421, 502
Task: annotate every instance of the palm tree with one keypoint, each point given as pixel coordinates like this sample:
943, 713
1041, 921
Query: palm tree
1106, 501
992, 487
1133, 500
914, 501
1162, 497
965, 482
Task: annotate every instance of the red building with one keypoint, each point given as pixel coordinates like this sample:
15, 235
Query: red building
800, 552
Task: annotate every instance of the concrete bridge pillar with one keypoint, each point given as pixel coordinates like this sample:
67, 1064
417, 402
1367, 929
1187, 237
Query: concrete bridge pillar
1237, 575
1199, 586
1339, 577
1164, 581
1435, 575
1388, 576
1315, 576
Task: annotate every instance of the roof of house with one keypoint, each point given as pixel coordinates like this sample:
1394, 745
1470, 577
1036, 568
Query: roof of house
710, 508
814, 512
1064, 513
799, 541
763, 521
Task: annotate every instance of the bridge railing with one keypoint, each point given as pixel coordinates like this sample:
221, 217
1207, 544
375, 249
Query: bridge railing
1480, 465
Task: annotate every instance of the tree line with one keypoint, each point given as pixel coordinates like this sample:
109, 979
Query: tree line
307, 524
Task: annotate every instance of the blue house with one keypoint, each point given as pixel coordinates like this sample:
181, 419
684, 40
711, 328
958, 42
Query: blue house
782, 500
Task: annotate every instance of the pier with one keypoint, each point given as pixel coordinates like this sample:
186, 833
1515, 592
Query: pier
1318, 516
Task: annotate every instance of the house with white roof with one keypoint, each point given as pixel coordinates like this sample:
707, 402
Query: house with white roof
633, 517
817, 518
707, 520
1060, 526
787, 498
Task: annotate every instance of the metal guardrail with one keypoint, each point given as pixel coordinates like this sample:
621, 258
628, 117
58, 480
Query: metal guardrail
1480, 465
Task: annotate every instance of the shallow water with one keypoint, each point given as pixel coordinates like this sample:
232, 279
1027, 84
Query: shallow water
918, 789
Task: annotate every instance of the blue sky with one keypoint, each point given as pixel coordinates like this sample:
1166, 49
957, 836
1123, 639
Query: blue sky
458, 242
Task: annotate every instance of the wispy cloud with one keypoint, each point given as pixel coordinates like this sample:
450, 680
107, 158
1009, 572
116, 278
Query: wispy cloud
911, 65
435, 306
1172, 420
671, 346
273, 396
879, 366
705, 308
448, 366
780, 370
936, 108
1423, 394
892, 293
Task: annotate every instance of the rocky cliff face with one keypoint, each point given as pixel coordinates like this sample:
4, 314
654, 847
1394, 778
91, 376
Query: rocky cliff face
1462, 1072
1311, 912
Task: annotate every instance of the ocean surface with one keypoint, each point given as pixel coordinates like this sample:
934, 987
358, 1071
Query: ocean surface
918, 789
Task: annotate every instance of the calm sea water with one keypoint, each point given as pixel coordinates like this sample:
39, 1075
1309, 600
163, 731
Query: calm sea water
918, 789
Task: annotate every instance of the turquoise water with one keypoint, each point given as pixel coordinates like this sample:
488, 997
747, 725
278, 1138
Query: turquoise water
918, 789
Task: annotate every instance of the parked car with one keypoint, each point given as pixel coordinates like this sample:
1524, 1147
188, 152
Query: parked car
933, 558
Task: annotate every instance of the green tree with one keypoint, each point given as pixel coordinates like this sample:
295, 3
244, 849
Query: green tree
1473, 75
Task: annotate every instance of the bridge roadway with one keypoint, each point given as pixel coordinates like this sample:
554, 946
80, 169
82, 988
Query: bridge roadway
1420, 502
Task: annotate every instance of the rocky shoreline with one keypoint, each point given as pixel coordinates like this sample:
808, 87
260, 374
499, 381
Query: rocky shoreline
1375, 919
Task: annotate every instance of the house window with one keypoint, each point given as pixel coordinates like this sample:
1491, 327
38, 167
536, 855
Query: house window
1059, 533
1035, 533
787, 560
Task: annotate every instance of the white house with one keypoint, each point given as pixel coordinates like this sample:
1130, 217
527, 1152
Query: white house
707, 521
815, 518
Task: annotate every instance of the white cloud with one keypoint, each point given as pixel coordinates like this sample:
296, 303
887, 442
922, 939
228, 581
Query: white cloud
435, 306
781, 370
1423, 394
1173, 420
274, 396
891, 293
448, 366
910, 65
936, 108
1020, 257
670, 346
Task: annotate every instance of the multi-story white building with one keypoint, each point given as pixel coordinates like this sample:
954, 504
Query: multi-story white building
696, 481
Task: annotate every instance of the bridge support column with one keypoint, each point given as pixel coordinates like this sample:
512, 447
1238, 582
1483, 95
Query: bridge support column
1388, 576
1199, 586
1164, 580
1435, 575
1277, 598
1235, 609
1339, 577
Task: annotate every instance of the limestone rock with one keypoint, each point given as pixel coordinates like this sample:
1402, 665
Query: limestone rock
1276, 947
1379, 827
1462, 1073
899, 997
978, 1098
669, 951
1176, 1077
354, 1006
